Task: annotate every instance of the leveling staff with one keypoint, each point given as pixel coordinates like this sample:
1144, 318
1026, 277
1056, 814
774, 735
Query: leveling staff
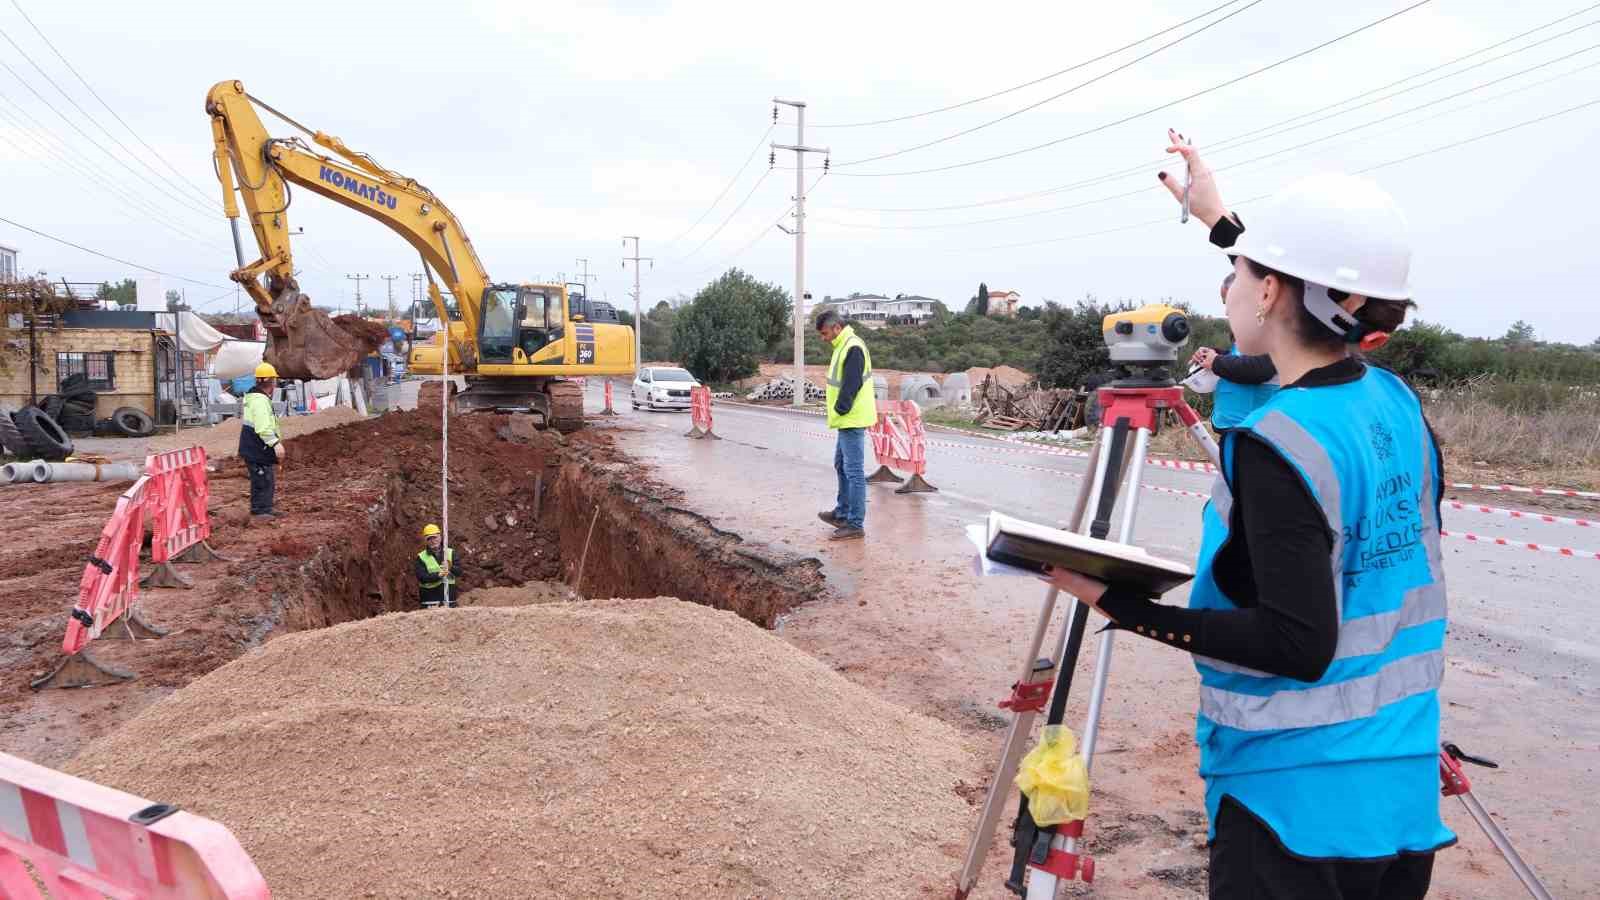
1317, 614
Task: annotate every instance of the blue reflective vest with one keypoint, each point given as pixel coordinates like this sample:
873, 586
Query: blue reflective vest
1344, 767
1232, 402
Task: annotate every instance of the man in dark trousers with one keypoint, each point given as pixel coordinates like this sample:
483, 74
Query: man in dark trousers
852, 409
436, 570
259, 444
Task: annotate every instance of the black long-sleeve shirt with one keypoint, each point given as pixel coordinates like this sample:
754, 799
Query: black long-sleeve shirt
1274, 567
1244, 369
855, 365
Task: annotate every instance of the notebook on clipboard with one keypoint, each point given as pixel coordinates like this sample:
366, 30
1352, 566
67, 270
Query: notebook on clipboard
1031, 546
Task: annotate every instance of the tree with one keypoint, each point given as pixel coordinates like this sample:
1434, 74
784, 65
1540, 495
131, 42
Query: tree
722, 334
1076, 348
1520, 332
123, 293
981, 307
175, 301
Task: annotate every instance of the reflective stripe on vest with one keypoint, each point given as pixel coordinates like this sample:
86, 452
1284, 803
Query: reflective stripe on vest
432, 565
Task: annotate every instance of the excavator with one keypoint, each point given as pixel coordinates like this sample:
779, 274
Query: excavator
516, 345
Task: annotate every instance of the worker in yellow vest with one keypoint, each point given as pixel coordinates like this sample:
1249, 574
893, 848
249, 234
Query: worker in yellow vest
436, 570
260, 445
852, 409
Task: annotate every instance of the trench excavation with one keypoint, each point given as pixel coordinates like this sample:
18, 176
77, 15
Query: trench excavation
524, 507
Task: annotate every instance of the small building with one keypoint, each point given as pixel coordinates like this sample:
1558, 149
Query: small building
116, 350
1004, 303
8, 264
876, 310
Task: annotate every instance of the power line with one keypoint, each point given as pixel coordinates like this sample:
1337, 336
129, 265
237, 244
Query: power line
83, 168
725, 222
1155, 109
51, 237
729, 186
1234, 165
96, 95
1027, 84
1238, 139
1167, 219
1053, 97
765, 230
74, 125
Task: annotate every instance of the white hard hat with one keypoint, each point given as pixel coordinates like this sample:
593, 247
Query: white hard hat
1338, 231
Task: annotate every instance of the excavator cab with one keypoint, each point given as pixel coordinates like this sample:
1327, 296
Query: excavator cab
528, 318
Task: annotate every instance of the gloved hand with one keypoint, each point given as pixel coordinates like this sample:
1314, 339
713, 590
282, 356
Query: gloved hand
279, 450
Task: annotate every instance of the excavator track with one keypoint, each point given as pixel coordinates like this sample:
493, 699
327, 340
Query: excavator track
566, 405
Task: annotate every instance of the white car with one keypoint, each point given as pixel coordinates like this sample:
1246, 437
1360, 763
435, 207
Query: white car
662, 388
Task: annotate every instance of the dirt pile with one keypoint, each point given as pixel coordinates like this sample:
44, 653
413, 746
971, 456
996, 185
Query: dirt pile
1006, 375
222, 440
637, 748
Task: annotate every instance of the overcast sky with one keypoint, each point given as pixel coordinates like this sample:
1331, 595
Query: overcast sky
554, 129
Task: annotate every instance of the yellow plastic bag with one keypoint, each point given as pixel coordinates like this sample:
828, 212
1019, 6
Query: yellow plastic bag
1054, 778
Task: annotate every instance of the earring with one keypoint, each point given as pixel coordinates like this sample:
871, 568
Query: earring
1261, 314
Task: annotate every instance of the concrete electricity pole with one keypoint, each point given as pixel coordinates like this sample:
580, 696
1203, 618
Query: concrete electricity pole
638, 317
389, 285
800, 296
358, 279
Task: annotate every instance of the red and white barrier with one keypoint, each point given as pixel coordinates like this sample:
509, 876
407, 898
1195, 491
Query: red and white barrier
700, 413
900, 441
1539, 491
179, 496
80, 839
1523, 545
173, 494
1520, 514
608, 411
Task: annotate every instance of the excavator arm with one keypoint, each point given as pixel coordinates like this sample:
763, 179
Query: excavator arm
303, 342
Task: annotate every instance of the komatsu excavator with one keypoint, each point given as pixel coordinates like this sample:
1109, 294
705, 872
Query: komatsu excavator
517, 345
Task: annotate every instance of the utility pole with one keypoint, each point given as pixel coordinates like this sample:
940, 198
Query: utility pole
416, 298
800, 296
585, 276
358, 279
389, 285
638, 318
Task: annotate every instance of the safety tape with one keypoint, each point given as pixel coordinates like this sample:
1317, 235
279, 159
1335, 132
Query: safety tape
1521, 514
1540, 491
1505, 542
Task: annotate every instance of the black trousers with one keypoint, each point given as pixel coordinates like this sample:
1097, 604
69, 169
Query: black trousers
263, 486
1248, 863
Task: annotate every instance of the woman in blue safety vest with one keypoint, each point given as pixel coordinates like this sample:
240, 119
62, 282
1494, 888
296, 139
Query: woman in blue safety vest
1317, 613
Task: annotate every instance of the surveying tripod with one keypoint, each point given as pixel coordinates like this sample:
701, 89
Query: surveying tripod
1131, 405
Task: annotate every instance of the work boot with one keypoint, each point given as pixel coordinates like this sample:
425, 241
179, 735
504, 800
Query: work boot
828, 516
847, 533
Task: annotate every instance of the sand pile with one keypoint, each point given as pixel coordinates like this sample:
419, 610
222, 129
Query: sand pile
622, 748
1006, 375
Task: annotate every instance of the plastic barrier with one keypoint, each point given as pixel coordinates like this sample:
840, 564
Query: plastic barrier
179, 493
700, 412
173, 494
900, 442
82, 839
608, 411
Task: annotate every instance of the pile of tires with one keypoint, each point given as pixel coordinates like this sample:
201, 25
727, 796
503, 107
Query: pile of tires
73, 407
32, 432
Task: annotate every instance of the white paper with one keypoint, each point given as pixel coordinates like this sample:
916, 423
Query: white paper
982, 565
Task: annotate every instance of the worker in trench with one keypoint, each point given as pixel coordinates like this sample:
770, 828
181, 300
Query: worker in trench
1242, 383
436, 570
1317, 614
852, 409
260, 445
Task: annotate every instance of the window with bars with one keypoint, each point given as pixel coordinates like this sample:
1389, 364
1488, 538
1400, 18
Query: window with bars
100, 368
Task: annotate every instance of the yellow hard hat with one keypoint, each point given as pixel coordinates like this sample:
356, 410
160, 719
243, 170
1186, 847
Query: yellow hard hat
430, 530
265, 370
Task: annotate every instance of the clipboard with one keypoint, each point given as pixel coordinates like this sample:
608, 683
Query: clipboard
1034, 547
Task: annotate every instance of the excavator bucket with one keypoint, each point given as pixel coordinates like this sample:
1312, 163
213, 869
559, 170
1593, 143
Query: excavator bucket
304, 343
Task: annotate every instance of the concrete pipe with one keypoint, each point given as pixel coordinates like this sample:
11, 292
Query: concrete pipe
11, 473
49, 472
